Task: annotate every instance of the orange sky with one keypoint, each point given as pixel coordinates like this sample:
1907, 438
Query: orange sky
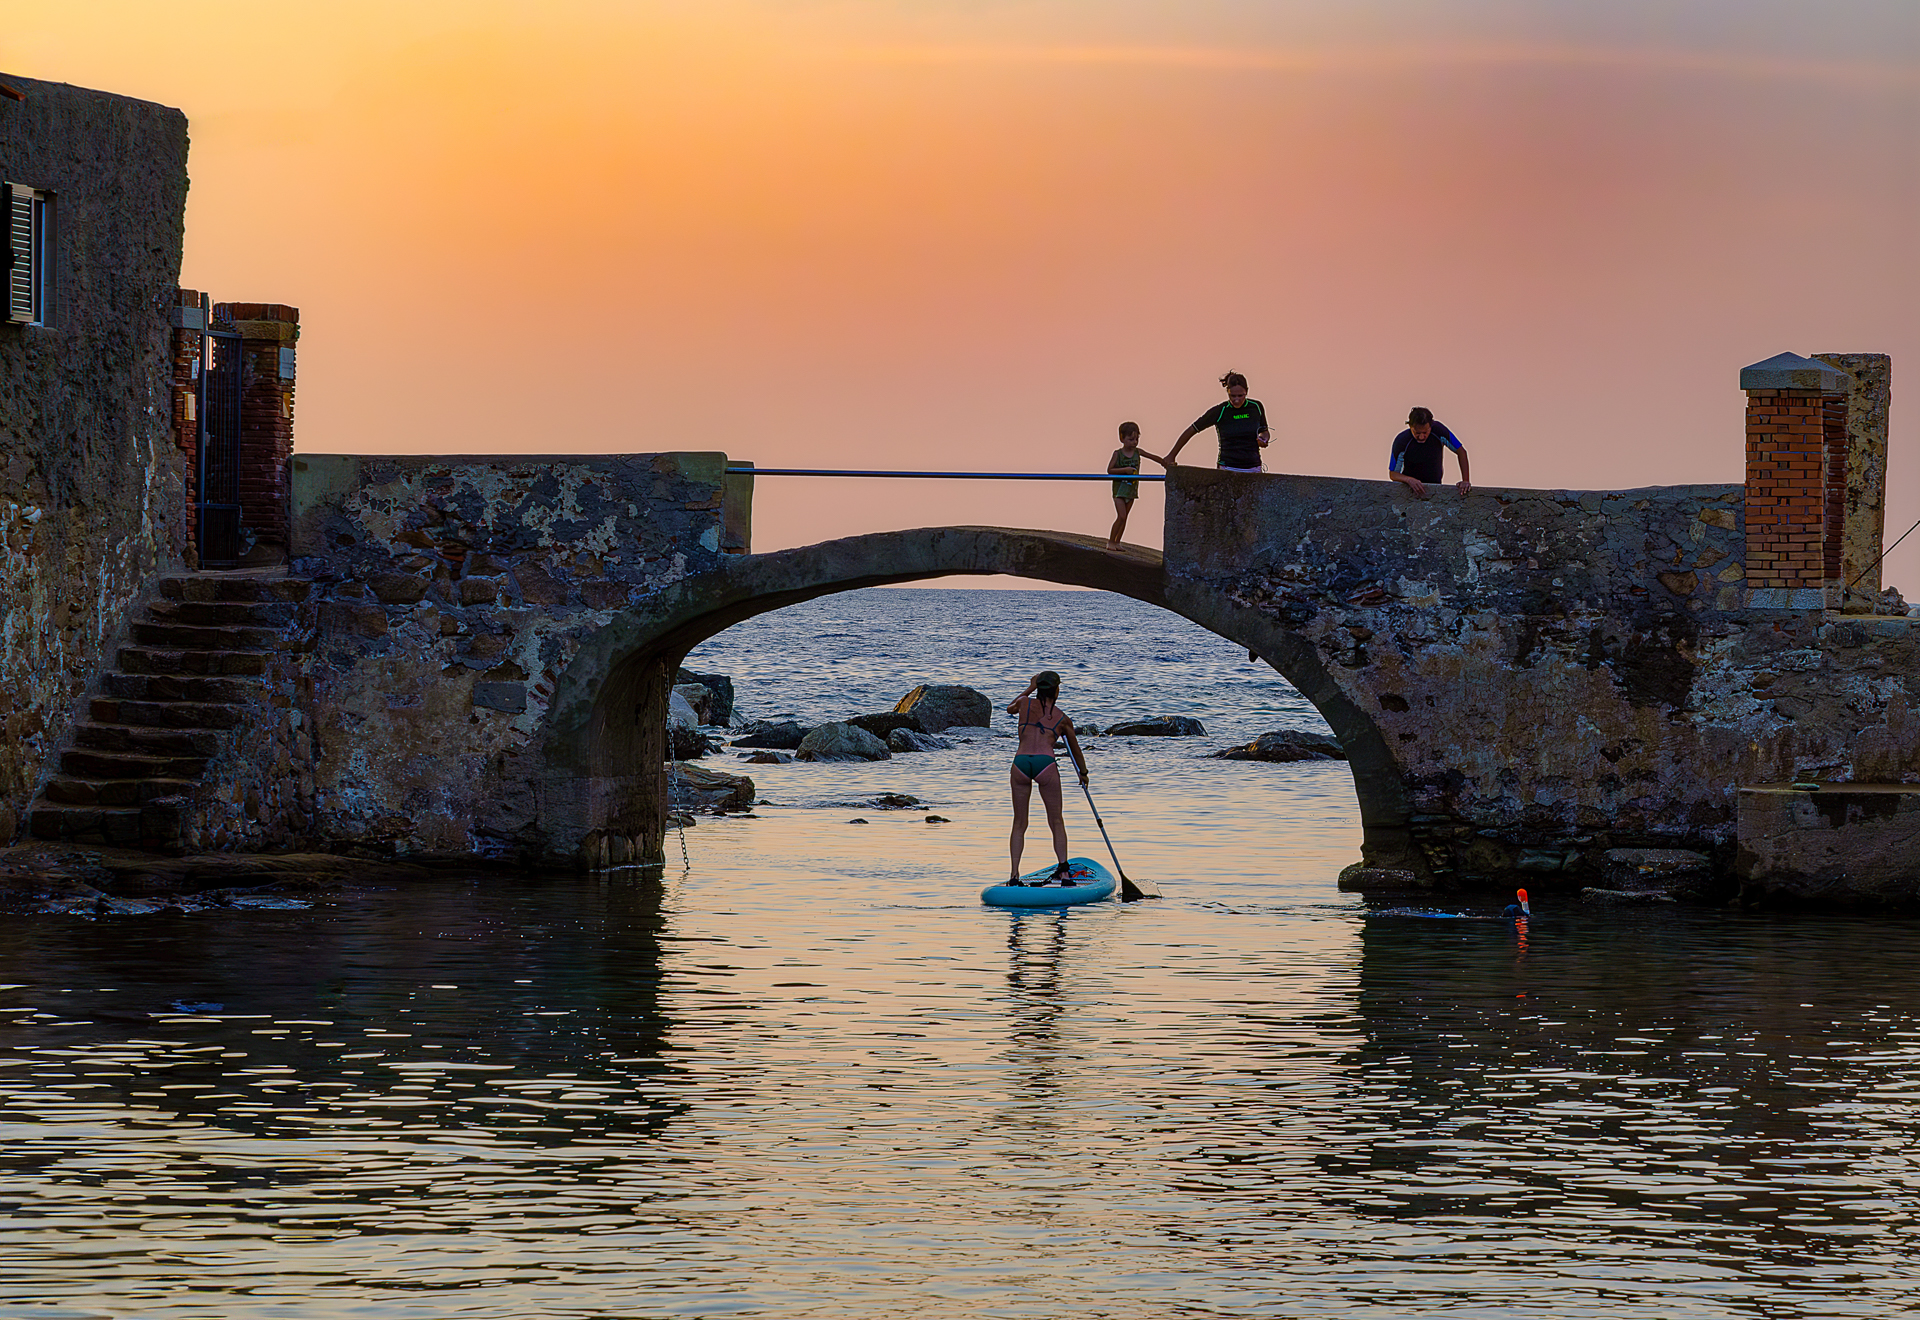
979, 234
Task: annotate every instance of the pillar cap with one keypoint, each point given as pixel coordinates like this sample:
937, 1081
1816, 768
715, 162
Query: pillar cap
1790, 371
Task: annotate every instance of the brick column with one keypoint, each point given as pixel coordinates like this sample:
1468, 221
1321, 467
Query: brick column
1860, 509
268, 332
189, 320
1787, 495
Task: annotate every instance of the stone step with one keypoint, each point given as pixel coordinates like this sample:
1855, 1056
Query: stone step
168, 714
156, 826
177, 687
183, 637
222, 613
68, 791
227, 587
84, 764
162, 660
148, 741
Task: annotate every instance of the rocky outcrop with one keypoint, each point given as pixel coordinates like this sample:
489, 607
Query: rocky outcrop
935, 707
784, 736
906, 740
1160, 726
694, 787
842, 742
718, 707
766, 756
1286, 745
884, 724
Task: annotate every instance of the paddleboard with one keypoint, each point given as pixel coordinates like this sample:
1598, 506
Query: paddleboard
1091, 883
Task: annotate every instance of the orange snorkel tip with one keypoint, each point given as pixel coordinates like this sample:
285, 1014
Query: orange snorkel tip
1524, 907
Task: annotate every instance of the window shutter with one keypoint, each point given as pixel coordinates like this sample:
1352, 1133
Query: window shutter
22, 281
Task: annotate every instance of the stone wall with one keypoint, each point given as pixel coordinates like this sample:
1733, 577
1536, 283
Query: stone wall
91, 497
1558, 673
448, 596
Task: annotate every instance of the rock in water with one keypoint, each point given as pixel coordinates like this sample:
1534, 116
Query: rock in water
765, 757
1287, 745
1162, 726
784, 736
699, 697
842, 742
696, 787
684, 744
906, 740
680, 712
719, 686
938, 707
882, 726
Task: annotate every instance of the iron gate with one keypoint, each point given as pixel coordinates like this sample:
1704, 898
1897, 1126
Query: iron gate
217, 499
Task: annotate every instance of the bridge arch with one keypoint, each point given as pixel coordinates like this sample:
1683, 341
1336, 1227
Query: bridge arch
604, 740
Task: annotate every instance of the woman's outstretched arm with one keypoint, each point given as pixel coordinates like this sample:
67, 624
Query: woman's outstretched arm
1073, 741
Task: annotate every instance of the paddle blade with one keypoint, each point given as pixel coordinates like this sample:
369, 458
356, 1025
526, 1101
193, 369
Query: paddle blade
1132, 891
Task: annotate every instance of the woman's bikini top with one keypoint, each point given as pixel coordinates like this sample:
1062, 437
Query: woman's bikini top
1042, 725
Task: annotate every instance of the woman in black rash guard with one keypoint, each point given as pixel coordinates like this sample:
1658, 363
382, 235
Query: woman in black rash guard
1241, 424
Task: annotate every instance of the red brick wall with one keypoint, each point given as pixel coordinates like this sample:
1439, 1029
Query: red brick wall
266, 416
1786, 489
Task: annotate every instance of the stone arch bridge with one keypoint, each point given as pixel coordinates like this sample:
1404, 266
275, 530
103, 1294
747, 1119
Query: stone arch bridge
1527, 682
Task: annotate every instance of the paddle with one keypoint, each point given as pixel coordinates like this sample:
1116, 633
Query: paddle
1131, 890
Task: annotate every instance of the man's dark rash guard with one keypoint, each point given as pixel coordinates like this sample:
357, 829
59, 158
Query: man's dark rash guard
1420, 459
1239, 430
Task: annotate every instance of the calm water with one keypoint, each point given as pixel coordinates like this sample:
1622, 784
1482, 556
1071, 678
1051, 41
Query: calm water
812, 1076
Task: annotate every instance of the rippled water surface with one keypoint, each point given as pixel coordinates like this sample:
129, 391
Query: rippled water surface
812, 1076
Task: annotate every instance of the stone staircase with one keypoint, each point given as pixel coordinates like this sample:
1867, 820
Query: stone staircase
180, 694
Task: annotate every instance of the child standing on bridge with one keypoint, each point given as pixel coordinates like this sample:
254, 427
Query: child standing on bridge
1125, 459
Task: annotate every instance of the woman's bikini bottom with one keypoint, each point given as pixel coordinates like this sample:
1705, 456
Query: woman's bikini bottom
1032, 766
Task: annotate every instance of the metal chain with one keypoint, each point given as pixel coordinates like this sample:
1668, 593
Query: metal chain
673, 786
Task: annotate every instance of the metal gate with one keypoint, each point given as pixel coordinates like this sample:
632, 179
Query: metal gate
217, 498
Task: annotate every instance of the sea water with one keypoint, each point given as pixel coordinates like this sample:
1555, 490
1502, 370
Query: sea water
806, 1073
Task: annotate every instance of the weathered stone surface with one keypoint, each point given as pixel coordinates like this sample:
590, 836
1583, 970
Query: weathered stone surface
842, 742
1286, 745
784, 736
906, 740
699, 699
881, 725
767, 757
680, 712
92, 496
1160, 726
1625, 897
941, 706
510, 698
695, 786
1842, 845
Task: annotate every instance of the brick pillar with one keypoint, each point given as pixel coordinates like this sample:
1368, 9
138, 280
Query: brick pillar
188, 317
268, 332
1787, 495
1862, 484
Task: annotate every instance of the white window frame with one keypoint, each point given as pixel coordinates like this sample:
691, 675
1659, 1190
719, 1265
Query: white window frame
30, 234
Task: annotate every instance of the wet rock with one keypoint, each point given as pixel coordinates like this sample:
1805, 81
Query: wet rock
941, 706
938, 820
684, 744
720, 694
1160, 726
1286, 745
906, 740
1625, 897
896, 801
1652, 868
696, 787
680, 711
1363, 879
784, 736
856, 821
768, 757
1087, 730
882, 725
699, 699
842, 742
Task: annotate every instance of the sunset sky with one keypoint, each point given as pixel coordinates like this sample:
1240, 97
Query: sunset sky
979, 234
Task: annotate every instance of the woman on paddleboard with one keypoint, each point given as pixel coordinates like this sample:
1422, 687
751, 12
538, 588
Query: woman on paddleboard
1042, 723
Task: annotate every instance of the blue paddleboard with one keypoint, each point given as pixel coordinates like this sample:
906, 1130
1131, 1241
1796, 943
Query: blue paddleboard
1091, 883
